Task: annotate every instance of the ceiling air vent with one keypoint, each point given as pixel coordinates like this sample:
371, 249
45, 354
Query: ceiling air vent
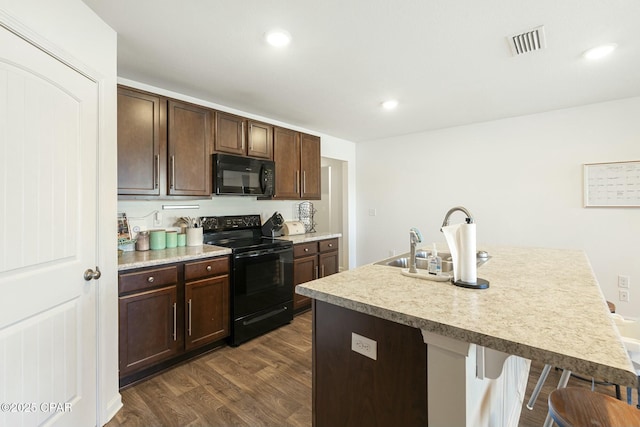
528, 41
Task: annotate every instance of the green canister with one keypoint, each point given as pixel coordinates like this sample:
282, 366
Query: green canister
182, 239
157, 239
172, 239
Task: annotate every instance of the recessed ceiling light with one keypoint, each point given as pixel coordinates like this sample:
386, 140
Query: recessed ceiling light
390, 104
278, 38
600, 51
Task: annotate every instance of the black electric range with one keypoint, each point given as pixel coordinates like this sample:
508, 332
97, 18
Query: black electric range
261, 274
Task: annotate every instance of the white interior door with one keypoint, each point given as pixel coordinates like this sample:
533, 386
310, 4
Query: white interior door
48, 238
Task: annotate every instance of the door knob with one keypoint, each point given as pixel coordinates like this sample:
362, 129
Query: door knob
90, 274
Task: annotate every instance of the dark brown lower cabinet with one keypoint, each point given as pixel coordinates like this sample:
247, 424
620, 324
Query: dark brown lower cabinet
170, 313
311, 261
350, 389
305, 269
148, 328
207, 309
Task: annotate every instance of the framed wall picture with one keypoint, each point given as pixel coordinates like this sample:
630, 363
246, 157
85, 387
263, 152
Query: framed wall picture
123, 227
615, 184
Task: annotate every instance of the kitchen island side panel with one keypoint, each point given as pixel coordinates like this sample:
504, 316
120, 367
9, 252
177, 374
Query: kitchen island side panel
350, 389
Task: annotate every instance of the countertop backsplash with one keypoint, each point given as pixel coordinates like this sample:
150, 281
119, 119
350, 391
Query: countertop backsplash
142, 213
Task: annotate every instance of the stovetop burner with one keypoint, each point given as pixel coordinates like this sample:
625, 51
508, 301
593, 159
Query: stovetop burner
240, 233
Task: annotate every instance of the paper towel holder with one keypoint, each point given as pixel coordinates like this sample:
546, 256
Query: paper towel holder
479, 283
468, 219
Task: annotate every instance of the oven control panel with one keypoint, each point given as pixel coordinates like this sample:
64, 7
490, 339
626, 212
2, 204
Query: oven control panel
217, 223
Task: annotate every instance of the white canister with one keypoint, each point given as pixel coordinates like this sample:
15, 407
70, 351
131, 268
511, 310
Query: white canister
194, 236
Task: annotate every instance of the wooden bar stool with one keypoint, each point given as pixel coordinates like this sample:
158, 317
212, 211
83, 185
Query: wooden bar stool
581, 407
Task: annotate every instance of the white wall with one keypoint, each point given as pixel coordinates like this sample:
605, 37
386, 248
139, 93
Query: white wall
521, 178
329, 210
73, 32
331, 147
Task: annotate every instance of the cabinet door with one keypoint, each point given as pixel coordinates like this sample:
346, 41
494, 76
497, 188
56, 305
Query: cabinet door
286, 154
260, 140
310, 166
304, 270
141, 143
148, 328
189, 150
207, 311
230, 134
329, 263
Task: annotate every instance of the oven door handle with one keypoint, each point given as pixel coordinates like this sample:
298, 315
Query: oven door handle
261, 252
264, 316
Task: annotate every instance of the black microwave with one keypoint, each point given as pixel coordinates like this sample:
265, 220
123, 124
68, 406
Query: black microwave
243, 176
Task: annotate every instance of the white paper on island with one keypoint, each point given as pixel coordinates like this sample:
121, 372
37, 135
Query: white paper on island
461, 239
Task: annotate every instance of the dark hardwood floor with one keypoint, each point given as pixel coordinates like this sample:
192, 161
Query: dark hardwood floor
265, 382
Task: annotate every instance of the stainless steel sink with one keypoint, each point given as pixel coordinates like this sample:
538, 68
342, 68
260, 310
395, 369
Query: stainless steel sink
404, 262
421, 261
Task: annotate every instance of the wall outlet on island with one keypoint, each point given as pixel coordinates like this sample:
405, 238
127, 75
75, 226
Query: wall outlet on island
365, 346
623, 294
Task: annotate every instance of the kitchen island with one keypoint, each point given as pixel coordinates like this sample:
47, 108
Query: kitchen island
542, 304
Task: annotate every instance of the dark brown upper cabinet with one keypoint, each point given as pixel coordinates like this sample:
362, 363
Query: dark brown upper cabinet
310, 166
164, 146
297, 159
189, 150
142, 143
243, 137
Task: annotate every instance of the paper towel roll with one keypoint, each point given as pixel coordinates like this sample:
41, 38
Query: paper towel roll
461, 239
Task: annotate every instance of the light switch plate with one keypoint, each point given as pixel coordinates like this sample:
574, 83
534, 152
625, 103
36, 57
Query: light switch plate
365, 346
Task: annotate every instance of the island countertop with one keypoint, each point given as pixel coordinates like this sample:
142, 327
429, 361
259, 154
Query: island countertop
542, 304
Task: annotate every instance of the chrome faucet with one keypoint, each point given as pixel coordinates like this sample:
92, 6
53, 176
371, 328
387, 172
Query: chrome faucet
469, 218
415, 237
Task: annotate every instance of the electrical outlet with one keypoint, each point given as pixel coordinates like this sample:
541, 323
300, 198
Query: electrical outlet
623, 281
624, 295
365, 346
373, 212
157, 219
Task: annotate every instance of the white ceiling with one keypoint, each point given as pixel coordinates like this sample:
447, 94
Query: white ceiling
447, 62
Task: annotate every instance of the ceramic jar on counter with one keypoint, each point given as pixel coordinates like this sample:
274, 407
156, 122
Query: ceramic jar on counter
142, 241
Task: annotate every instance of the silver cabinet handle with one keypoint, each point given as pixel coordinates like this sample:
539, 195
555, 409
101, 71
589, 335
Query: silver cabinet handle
304, 182
306, 249
173, 171
150, 279
317, 272
156, 178
189, 305
242, 135
89, 274
322, 270
209, 268
330, 245
175, 319
297, 181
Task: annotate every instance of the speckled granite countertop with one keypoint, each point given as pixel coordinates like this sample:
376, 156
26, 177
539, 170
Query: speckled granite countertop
310, 237
136, 259
542, 304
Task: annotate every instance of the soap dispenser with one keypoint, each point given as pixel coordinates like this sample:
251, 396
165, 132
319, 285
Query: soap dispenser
435, 262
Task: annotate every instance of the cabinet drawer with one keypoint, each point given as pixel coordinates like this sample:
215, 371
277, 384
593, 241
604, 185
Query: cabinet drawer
305, 249
149, 278
328, 245
206, 268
